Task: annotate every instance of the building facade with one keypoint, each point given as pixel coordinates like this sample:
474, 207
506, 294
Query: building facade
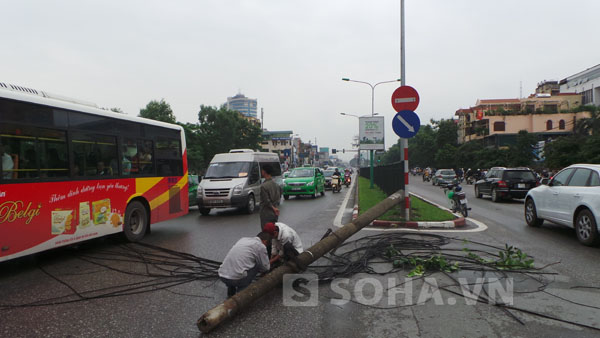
280, 142
586, 83
498, 121
242, 104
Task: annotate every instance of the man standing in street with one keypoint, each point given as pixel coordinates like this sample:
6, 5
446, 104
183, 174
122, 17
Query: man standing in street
270, 195
244, 261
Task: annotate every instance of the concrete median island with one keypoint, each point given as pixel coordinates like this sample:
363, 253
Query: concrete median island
423, 213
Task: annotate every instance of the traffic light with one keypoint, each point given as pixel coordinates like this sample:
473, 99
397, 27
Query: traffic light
333, 151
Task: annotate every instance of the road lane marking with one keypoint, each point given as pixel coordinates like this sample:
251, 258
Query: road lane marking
337, 222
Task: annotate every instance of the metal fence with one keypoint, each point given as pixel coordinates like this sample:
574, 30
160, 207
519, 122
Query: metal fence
389, 178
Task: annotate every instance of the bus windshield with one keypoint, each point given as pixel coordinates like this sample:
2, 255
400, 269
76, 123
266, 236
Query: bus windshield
228, 170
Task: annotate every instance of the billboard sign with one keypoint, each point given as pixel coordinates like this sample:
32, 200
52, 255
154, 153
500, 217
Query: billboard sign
371, 133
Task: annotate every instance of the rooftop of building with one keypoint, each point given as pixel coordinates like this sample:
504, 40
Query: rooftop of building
497, 101
583, 72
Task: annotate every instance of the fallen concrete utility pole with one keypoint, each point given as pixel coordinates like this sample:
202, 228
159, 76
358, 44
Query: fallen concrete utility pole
230, 307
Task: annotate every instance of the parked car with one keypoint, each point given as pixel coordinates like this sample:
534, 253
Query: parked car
192, 189
571, 198
304, 181
444, 176
505, 183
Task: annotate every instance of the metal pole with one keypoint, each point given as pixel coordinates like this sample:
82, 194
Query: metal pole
371, 152
373, 100
404, 142
371, 170
230, 307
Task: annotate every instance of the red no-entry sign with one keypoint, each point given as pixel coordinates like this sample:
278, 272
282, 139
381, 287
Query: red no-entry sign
405, 98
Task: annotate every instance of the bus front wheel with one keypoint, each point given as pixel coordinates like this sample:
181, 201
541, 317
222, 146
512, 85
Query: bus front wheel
136, 221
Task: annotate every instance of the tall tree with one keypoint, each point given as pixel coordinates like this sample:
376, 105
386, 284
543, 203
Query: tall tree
421, 148
492, 157
195, 150
221, 130
445, 157
466, 154
521, 154
562, 151
589, 125
447, 133
590, 150
159, 111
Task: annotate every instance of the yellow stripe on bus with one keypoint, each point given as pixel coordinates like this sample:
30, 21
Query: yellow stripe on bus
164, 197
144, 184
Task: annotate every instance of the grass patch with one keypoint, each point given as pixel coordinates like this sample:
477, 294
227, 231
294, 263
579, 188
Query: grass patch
420, 211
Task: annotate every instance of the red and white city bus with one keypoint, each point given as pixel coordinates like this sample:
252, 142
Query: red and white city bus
71, 172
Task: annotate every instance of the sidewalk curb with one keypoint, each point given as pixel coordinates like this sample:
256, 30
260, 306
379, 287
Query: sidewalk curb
456, 223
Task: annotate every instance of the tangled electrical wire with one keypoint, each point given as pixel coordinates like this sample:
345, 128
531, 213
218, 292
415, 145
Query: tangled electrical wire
428, 253
159, 268
402, 248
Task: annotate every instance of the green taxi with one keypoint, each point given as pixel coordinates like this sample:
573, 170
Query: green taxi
304, 181
192, 189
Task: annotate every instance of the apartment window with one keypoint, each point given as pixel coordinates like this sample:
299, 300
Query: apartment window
549, 125
586, 97
499, 126
561, 124
551, 108
530, 108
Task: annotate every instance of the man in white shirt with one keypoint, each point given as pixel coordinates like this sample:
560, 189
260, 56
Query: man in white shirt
7, 163
244, 261
286, 242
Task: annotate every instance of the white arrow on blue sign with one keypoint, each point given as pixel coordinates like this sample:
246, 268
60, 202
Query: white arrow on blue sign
406, 123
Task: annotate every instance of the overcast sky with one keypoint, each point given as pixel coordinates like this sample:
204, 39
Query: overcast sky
292, 55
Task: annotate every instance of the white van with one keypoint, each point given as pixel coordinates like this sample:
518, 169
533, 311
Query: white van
233, 180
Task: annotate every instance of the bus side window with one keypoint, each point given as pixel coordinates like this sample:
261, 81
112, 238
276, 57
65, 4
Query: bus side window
95, 155
17, 149
168, 157
142, 162
53, 153
128, 151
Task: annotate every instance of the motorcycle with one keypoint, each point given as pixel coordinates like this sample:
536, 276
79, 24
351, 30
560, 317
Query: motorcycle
470, 179
335, 184
426, 177
347, 181
458, 199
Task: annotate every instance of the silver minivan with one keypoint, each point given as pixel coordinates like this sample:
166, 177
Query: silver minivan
233, 180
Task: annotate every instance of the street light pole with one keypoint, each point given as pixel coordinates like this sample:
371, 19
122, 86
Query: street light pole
372, 114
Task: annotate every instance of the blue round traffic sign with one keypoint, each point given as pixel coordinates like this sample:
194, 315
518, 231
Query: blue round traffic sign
406, 123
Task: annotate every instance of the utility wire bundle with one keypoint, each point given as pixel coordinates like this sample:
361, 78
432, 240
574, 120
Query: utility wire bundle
432, 253
158, 268
162, 269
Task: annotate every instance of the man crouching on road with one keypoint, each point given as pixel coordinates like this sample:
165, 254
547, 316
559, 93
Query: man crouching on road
286, 243
244, 261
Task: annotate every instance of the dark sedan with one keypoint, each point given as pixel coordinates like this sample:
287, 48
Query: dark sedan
506, 183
